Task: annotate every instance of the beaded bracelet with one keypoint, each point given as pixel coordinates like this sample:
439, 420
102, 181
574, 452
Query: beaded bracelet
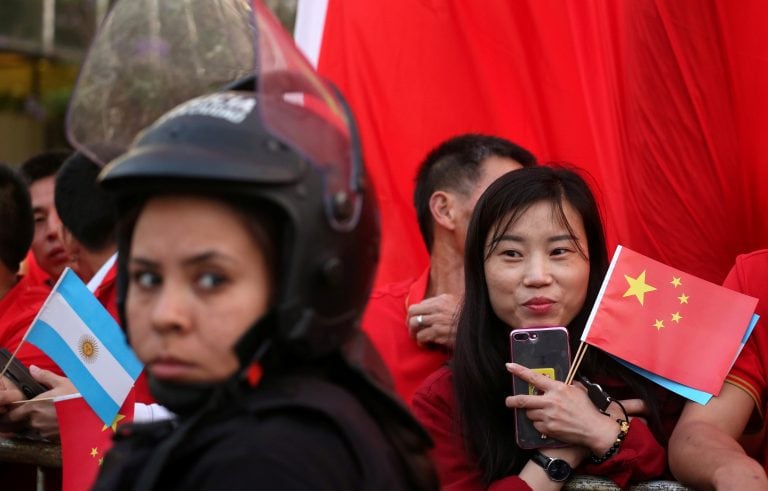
623, 429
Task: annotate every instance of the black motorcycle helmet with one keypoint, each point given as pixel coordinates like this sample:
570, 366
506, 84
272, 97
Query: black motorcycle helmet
328, 232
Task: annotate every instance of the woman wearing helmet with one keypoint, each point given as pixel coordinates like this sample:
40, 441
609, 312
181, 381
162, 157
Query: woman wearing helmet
243, 272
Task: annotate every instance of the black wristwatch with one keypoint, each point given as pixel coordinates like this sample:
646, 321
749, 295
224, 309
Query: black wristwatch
557, 469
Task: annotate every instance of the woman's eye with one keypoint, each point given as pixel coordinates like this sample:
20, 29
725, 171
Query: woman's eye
511, 253
209, 281
145, 279
559, 251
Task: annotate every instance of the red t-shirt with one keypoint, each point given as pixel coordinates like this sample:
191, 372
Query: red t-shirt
385, 322
18, 309
639, 458
749, 275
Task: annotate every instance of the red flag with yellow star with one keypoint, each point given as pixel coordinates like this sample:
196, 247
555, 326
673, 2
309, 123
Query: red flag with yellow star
85, 439
668, 322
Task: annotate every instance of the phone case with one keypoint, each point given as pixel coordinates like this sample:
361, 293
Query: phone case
19, 375
545, 350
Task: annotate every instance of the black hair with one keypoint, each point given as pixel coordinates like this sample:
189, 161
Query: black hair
482, 345
84, 208
42, 165
455, 165
17, 226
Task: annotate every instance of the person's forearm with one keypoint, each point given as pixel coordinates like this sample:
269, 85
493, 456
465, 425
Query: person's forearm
703, 457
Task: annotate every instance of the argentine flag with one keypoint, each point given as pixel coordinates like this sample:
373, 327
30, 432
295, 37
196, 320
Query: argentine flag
77, 332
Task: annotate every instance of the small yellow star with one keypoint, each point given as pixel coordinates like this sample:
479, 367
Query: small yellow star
683, 298
658, 324
676, 317
94, 452
638, 287
118, 418
675, 281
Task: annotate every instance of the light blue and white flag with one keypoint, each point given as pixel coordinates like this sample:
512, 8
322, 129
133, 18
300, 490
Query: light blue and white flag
78, 333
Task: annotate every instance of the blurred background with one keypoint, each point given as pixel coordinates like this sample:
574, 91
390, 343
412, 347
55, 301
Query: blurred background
42, 43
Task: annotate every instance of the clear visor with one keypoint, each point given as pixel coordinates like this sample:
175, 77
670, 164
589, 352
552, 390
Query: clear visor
151, 55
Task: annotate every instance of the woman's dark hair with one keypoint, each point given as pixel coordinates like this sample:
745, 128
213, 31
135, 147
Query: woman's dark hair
482, 345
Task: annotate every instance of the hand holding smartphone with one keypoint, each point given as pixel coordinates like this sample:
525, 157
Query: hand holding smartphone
20, 376
544, 350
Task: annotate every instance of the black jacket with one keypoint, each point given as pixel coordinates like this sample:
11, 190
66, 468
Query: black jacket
297, 432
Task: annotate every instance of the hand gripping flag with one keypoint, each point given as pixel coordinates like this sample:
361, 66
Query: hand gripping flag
670, 323
78, 333
85, 439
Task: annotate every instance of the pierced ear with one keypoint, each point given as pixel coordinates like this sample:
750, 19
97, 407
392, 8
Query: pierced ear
441, 206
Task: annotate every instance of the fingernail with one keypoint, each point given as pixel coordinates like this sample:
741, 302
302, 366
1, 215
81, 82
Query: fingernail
33, 369
512, 366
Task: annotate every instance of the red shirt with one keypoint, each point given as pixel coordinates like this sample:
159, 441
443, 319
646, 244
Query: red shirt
386, 323
18, 309
639, 458
749, 275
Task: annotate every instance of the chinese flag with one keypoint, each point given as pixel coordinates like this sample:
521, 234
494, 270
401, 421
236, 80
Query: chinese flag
668, 322
85, 440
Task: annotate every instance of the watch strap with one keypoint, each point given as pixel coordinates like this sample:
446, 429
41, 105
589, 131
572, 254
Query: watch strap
557, 469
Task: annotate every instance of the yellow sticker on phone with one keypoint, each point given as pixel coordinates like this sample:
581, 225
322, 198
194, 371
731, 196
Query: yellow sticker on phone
547, 372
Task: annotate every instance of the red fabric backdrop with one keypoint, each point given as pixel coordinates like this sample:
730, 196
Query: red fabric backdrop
663, 102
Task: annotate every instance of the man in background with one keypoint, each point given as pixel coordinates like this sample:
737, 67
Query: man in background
48, 252
413, 323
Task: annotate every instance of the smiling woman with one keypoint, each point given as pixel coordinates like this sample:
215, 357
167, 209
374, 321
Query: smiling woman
535, 257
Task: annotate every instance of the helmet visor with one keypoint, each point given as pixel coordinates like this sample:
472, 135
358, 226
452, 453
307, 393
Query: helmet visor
151, 55
148, 57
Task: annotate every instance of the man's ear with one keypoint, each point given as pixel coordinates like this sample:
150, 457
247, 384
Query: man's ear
441, 205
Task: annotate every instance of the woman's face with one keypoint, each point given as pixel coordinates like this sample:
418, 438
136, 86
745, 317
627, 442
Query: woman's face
198, 281
536, 275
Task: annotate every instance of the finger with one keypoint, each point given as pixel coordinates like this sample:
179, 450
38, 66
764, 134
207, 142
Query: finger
19, 414
45, 377
536, 379
427, 335
416, 324
524, 402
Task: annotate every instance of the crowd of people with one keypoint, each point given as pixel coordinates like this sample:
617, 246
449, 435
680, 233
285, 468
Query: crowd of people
243, 281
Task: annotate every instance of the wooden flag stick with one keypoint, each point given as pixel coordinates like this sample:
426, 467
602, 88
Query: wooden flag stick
33, 400
576, 362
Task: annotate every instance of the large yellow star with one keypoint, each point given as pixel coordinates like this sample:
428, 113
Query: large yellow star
638, 287
94, 452
683, 298
658, 324
118, 418
675, 281
676, 317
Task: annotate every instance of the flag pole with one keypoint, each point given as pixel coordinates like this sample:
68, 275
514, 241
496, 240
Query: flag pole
576, 362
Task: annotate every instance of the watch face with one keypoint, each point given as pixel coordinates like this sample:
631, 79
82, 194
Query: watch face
559, 470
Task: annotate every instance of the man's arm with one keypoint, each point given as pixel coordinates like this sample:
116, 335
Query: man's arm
703, 450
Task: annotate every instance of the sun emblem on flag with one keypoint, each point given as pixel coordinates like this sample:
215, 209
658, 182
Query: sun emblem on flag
88, 348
